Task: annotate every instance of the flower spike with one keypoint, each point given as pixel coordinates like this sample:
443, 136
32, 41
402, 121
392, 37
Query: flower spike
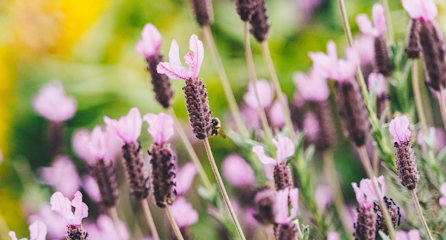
399, 128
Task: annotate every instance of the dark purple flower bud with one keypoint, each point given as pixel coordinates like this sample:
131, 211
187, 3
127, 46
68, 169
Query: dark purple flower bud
382, 61
245, 8
201, 11
413, 46
160, 82
135, 170
264, 206
104, 173
259, 21
365, 224
394, 212
163, 175
283, 177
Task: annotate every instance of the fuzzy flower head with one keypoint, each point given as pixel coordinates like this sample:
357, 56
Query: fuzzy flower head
284, 149
161, 127
265, 92
237, 171
411, 235
183, 212
185, 177
425, 10
377, 78
37, 231
52, 103
174, 69
331, 67
151, 41
281, 204
62, 205
128, 128
399, 128
311, 87
379, 21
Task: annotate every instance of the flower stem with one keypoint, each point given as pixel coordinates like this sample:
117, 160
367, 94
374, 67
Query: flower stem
279, 93
418, 102
204, 178
376, 161
222, 188
423, 221
442, 105
148, 215
115, 218
174, 224
253, 77
390, 35
368, 168
225, 82
333, 181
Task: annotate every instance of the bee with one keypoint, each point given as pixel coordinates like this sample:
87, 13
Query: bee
216, 128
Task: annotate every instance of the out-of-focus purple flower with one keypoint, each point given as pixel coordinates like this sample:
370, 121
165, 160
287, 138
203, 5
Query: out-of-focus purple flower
421, 9
183, 212
411, 235
311, 126
281, 204
379, 21
250, 117
151, 41
323, 197
248, 218
91, 188
62, 205
331, 67
307, 8
439, 141
366, 47
443, 192
174, 69
265, 92
377, 78
128, 128
333, 236
161, 126
105, 229
37, 231
52, 103
399, 128
276, 116
237, 171
367, 188
56, 228
349, 217
311, 87
185, 177
62, 176
284, 146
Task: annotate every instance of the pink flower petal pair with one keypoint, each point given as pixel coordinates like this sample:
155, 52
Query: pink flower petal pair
62, 176
379, 80
311, 87
161, 127
360, 197
367, 188
265, 92
62, 205
399, 128
37, 231
151, 41
237, 171
281, 205
421, 9
128, 128
52, 103
183, 212
379, 21
185, 177
174, 69
284, 149
411, 235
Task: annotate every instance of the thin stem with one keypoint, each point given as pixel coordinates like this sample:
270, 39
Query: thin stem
417, 94
423, 221
225, 82
253, 77
442, 105
333, 181
278, 88
204, 178
174, 224
222, 188
115, 218
376, 161
389, 21
148, 215
269, 233
368, 168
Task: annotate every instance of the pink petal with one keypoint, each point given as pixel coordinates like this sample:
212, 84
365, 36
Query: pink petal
56, 228
62, 205
151, 41
285, 148
107, 229
81, 145
173, 69
161, 127
366, 48
81, 209
312, 87
442, 201
237, 171
381, 181
12, 235
183, 212
377, 78
185, 177
421, 9
414, 235
333, 236
311, 126
62, 176
323, 197
282, 206
401, 235
277, 118
197, 48
37, 231
265, 92
91, 188
294, 197
359, 194
128, 128
367, 188
443, 189
98, 144
365, 25
322, 63
262, 157
399, 128
379, 19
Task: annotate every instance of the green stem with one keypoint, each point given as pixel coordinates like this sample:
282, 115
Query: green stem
390, 35
225, 82
417, 95
418, 207
174, 224
441, 100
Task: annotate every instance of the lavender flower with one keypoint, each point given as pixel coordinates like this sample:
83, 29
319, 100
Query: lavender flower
37, 232
237, 171
62, 176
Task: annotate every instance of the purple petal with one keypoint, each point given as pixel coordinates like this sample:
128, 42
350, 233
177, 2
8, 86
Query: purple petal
37, 231
237, 171
185, 177
262, 157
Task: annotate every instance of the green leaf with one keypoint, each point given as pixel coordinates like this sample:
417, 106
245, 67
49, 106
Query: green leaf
308, 155
306, 232
204, 193
383, 236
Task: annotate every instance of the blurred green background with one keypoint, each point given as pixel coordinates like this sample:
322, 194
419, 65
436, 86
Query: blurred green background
89, 47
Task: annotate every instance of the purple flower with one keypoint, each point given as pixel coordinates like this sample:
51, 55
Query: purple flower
52, 103
183, 212
237, 171
56, 228
379, 21
62, 176
174, 69
265, 92
439, 141
411, 235
333, 236
381, 82
442, 200
161, 126
62, 205
281, 204
284, 147
366, 48
275, 114
91, 187
185, 177
105, 229
37, 231
421, 9
399, 128
128, 128
366, 186
151, 41
311, 126
311, 87
360, 197
323, 197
